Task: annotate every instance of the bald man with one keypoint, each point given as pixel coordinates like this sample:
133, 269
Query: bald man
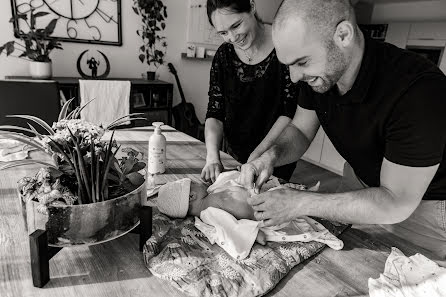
383, 108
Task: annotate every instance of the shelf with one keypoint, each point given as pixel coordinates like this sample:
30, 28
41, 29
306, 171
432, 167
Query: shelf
206, 58
144, 108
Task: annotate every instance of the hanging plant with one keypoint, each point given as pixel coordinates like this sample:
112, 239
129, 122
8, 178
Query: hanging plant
153, 14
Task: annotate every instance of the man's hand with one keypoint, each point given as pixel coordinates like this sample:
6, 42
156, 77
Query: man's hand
255, 173
211, 171
254, 155
277, 206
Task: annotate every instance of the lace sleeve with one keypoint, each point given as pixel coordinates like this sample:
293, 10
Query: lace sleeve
216, 105
289, 93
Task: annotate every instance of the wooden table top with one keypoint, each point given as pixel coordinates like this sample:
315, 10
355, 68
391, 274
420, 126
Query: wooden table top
116, 268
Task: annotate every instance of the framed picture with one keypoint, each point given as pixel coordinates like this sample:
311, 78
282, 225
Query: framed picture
138, 100
87, 21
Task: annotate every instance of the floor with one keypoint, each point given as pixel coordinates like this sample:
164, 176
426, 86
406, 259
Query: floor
309, 174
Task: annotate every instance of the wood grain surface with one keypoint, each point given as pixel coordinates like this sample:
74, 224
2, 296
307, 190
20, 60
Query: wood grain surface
116, 268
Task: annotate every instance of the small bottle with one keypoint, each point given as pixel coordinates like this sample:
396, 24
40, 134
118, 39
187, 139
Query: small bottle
157, 150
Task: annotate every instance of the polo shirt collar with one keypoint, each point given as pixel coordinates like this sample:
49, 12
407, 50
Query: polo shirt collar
358, 92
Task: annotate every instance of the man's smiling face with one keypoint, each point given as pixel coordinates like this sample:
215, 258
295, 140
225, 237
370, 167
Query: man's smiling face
311, 57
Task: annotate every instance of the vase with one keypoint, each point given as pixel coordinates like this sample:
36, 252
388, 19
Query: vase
151, 75
88, 224
40, 70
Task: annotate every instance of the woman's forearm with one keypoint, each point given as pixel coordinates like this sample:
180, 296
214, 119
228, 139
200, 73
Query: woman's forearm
213, 137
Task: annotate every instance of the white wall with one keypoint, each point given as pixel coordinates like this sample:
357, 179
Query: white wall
124, 60
193, 74
418, 11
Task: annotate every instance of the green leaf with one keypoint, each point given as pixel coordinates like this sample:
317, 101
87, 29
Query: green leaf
23, 138
9, 47
137, 167
128, 165
110, 127
41, 14
35, 131
114, 178
10, 127
163, 25
33, 21
64, 110
78, 111
11, 164
34, 119
81, 163
50, 27
142, 58
55, 173
136, 178
126, 116
135, 10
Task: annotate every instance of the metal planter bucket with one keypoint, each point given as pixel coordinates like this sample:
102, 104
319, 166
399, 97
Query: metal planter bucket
89, 224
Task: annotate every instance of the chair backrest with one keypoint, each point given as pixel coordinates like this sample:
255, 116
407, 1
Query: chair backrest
37, 98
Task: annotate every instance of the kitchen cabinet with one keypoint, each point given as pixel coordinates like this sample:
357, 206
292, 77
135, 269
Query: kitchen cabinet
322, 153
397, 34
151, 97
428, 30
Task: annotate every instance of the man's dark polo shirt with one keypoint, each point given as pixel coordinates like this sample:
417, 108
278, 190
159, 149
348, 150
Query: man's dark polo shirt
396, 109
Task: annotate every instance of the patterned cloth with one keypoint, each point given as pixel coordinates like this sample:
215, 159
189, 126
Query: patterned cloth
180, 254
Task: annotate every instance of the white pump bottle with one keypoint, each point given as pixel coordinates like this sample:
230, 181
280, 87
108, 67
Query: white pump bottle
157, 150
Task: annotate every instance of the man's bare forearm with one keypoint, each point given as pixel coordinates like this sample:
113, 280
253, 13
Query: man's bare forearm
367, 206
288, 147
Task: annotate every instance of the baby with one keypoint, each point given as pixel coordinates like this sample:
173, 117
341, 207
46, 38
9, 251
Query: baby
224, 216
186, 197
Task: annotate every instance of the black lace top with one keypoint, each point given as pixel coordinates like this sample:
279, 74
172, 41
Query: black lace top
248, 99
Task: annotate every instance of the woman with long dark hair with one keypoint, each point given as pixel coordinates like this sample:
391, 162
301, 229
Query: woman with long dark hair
251, 96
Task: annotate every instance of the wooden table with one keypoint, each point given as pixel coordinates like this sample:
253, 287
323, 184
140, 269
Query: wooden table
116, 268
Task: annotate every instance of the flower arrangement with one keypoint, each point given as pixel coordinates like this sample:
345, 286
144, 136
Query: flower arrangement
37, 43
153, 14
85, 168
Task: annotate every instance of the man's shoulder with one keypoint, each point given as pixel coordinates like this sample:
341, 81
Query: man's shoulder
402, 64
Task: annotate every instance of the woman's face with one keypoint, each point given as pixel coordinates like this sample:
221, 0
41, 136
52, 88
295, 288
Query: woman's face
238, 29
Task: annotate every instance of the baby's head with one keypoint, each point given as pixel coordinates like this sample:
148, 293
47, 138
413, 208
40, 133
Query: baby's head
186, 197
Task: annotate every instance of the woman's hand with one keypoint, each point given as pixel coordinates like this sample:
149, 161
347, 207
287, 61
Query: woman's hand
211, 171
255, 173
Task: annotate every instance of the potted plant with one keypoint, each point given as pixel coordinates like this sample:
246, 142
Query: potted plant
37, 45
86, 194
153, 50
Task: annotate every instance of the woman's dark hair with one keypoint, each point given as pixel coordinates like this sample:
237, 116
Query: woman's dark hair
236, 6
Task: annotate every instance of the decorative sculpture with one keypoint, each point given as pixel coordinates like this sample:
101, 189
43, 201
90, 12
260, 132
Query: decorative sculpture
93, 64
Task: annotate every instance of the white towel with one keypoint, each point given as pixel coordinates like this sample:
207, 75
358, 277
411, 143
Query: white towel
415, 276
112, 100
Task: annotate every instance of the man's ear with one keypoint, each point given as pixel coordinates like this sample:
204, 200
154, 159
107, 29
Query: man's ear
253, 6
344, 34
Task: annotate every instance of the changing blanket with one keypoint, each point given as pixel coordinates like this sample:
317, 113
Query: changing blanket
182, 255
